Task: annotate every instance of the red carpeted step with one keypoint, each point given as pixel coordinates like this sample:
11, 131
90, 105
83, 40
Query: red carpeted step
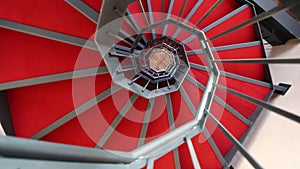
136, 14
181, 112
192, 45
65, 133
175, 11
128, 130
34, 56
257, 70
204, 7
35, 107
197, 59
184, 157
223, 9
96, 5
166, 161
54, 15
234, 125
158, 124
221, 141
156, 16
244, 107
193, 91
70, 133
240, 36
205, 154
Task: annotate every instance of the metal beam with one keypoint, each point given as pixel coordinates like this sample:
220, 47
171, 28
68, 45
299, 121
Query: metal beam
189, 39
172, 127
181, 10
284, 6
116, 121
215, 148
170, 112
225, 18
195, 82
118, 54
54, 78
236, 46
210, 88
246, 79
189, 16
188, 101
121, 52
230, 154
227, 47
193, 154
16, 163
165, 22
194, 52
135, 24
235, 142
261, 61
263, 104
221, 102
162, 9
150, 163
156, 146
209, 11
171, 5
218, 22
124, 48
233, 76
150, 13
119, 38
42, 150
232, 110
122, 70
199, 67
207, 97
143, 11
146, 121
176, 159
131, 38
193, 11
167, 142
48, 34
82, 108
200, 34
123, 15
84, 9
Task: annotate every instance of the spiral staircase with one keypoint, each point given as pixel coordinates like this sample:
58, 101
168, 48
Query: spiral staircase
133, 84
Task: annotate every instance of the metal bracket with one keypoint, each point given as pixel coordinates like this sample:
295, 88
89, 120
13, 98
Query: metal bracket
281, 88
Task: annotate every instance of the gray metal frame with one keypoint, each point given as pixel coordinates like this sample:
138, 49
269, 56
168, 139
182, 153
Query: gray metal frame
113, 63
174, 138
46, 153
